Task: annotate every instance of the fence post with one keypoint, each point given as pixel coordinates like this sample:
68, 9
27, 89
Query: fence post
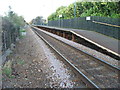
0, 52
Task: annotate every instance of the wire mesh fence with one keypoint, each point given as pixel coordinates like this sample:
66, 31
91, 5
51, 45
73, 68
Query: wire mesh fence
103, 25
9, 34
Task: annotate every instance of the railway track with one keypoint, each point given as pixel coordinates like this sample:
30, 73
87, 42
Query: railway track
94, 72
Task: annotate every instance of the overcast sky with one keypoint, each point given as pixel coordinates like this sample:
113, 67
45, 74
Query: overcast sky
29, 9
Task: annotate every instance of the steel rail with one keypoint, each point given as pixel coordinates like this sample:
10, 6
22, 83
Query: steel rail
91, 56
116, 69
73, 32
84, 77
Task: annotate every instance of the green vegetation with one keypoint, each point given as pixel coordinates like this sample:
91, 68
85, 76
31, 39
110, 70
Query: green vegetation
38, 21
7, 69
21, 33
22, 30
20, 62
13, 24
83, 9
17, 21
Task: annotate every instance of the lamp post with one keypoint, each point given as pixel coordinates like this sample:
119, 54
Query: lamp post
75, 9
59, 19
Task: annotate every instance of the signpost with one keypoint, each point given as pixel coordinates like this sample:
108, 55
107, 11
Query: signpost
60, 20
88, 18
75, 9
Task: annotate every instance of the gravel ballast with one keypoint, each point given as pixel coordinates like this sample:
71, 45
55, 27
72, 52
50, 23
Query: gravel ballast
87, 49
98, 73
34, 65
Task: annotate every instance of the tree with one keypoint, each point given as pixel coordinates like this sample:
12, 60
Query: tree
60, 11
38, 20
105, 8
18, 21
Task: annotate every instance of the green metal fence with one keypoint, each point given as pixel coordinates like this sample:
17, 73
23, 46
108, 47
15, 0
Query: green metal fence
103, 25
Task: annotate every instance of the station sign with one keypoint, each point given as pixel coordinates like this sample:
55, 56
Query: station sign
88, 18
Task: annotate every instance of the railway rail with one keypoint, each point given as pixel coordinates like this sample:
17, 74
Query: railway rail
83, 40
94, 72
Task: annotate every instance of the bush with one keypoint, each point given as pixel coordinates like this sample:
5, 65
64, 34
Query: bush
114, 15
7, 69
22, 30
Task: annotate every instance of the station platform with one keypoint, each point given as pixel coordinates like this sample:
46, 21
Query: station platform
103, 41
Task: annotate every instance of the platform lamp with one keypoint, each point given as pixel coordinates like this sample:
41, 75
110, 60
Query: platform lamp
75, 9
60, 20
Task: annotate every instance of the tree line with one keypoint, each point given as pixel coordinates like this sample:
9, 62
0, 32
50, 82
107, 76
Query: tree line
83, 9
14, 19
38, 21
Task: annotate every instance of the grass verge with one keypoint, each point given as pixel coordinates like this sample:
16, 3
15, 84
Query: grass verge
7, 69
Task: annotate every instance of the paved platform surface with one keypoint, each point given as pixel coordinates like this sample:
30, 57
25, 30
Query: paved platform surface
101, 40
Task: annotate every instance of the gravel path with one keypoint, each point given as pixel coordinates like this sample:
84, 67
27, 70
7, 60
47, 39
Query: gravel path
34, 65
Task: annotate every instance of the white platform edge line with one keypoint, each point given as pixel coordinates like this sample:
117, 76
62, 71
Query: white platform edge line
95, 43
